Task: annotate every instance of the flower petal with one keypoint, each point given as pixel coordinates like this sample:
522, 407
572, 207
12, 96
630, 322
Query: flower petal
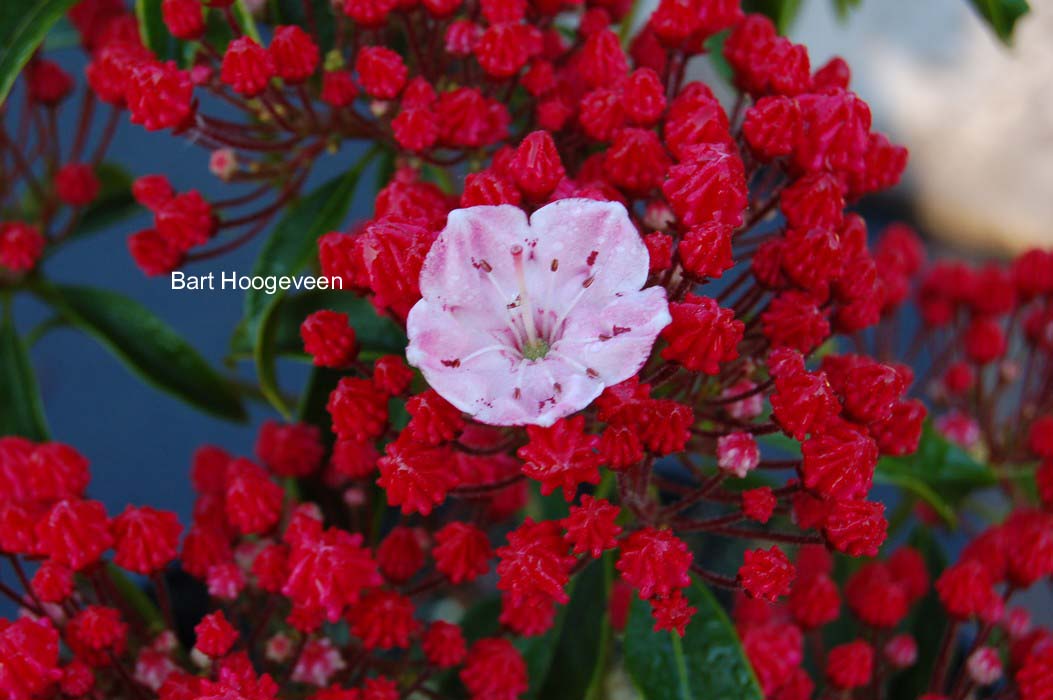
470, 264
540, 393
615, 339
589, 239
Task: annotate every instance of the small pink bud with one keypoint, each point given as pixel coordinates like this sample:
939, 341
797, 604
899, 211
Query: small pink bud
984, 666
1017, 622
901, 651
223, 163
747, 408
225, 581
245, 553
738, 453
959, 428
200, 74
165, 642
318, 661
279, 648
658, 215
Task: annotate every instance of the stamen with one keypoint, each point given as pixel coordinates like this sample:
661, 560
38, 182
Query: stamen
533, 346
558, 327
480, 351
573, 363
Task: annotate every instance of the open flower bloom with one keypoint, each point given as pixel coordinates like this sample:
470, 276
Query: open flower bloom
526, 322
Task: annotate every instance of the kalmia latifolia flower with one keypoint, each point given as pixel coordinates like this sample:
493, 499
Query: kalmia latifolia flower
526, 321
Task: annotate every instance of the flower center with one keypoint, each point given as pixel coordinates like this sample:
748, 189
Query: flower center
535, 350
536, 344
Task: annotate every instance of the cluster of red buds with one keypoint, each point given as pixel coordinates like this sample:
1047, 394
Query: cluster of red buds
49, 179
631, 309
986, 336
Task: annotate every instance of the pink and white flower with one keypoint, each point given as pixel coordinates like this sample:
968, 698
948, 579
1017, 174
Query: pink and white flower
318, 661
525, 322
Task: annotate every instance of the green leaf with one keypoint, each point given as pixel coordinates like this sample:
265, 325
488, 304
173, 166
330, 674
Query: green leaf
628, 25
538, 652
708, 663
23, 412
315, 397
781, 12
920, 489
385, 168
844, 7
154, 32
136, 597
544, 654
715, 49
291, 246
217, 34
23, 26
926, 621
939, 472
1002, 15
579, 663
114, 203
244, 19
149, 347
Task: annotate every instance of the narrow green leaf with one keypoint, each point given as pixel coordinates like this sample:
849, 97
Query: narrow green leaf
781, 12
293, 243
844, 7
708, 663
114, 203
23, 26
385, 168
538, 652
927, 621
149, 347
715, 49
136, 597
1002, 15
945, 468
579, 663
920, 489
315, 397
266, 368
291, 246
154, 32
217, 34
23, 412
245, 21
